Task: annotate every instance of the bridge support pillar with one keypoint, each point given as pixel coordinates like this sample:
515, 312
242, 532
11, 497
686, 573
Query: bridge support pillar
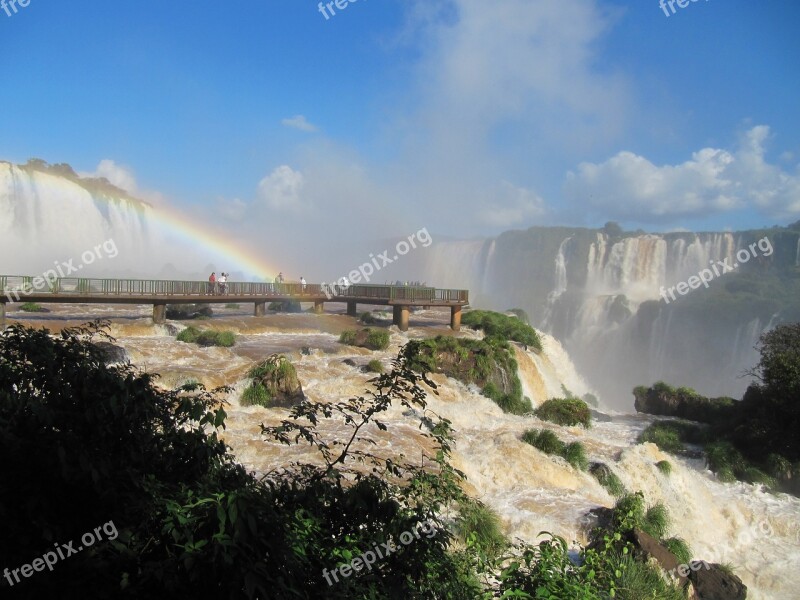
455, 318
319, 307
159, 313
260, 309
400, 316
2, 316
352, 309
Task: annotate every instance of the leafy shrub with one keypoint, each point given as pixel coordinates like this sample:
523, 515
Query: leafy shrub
665, 467
502, 326
375, 366
679, 548
565, 411
256, 394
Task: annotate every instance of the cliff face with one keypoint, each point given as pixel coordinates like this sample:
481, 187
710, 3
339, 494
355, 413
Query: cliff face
605, 294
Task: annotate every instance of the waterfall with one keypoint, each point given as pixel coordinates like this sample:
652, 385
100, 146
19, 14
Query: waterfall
64, 219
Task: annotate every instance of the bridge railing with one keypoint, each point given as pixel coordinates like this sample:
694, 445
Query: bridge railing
17, 286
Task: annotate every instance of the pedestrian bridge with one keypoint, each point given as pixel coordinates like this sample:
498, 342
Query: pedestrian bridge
159, 293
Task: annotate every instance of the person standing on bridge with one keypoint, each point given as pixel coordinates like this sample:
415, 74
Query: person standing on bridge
212, 283
223, 283
303, 283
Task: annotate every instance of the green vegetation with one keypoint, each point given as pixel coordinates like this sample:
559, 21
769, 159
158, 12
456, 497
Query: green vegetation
608, 479
374, 339
565, 411
207, 337
375, 366
487, 363
665, 467
520, 314
192, 522
679, 548
232, 305
256, 394
753, 440
478, 525
32, 307
503, 326
641, 580
670, 436
549, 443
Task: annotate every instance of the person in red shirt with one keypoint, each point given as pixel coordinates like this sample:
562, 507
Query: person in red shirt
212, 283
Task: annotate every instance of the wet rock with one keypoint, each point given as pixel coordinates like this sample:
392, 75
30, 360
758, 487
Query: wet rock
305, 351
349, 361
112, 353
716, 583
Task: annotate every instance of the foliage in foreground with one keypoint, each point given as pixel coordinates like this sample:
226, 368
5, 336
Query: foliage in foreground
193, 523
565, 411
207, 337
502, 326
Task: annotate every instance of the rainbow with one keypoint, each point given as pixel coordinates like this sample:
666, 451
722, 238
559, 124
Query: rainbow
190, 230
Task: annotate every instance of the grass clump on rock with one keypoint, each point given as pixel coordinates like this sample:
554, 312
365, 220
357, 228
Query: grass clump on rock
481, 525
33, 307
487, 363
565, 411
275, 383
608, 479
500, 325
374, 339
670, 436
207, 337
549, 443
375, 366
665, 467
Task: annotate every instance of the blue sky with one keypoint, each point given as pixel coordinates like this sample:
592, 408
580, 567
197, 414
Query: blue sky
467, 117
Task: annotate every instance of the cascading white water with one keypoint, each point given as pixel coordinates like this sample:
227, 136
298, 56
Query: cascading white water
531, 491
56, 220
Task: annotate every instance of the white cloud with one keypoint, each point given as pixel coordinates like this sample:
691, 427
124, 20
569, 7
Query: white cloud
630, 187
281, 190
120, 176
299, 122
516, 206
